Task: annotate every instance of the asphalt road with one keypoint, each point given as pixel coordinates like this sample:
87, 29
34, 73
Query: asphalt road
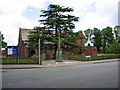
102, 75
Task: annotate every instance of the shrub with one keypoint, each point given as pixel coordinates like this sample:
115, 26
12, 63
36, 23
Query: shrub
74, 57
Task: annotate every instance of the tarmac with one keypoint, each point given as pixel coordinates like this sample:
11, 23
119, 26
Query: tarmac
52, 63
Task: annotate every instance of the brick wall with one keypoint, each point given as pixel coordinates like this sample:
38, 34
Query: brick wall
90, 50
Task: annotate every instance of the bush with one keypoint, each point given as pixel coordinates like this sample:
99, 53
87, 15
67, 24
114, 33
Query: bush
74, 57
42, 56
92, 58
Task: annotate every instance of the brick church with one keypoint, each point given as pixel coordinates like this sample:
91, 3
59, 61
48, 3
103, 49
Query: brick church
27, 51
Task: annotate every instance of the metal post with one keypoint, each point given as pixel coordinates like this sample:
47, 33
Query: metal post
40, 62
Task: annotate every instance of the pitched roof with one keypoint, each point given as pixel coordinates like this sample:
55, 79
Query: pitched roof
23, 33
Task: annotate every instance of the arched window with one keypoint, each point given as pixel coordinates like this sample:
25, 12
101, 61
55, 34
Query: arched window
32, 52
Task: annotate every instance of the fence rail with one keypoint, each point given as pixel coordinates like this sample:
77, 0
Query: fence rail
10, 60
91, 58
103, 57
19, 61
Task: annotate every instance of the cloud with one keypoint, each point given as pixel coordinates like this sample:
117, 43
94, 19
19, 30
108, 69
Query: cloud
20, 13
12, 17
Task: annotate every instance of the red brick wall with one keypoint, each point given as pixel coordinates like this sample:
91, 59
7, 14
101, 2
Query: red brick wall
21, 49
49, 52
90, 50
81, 42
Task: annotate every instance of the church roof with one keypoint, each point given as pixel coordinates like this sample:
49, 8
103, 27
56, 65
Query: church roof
23, 33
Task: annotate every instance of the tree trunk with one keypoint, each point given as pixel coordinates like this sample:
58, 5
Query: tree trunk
55, 43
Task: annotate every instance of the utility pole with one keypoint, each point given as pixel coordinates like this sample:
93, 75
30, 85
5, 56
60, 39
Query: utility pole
40, 61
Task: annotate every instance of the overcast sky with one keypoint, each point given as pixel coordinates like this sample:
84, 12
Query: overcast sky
25, 14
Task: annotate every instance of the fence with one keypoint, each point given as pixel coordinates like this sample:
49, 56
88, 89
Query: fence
19, 61
10, 60
84, 58
102, 57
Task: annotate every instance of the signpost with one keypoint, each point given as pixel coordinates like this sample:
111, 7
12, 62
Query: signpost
88, 57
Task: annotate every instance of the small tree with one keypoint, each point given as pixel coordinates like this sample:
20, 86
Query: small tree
113, 48
4, 44
88, 33
97, 38
39, 32
107, 37
117, 33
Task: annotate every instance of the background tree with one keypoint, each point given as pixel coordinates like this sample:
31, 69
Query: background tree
107, 37
97, 38
117, 33
113, 48
69, 42
43, 34
4, 44
88, 32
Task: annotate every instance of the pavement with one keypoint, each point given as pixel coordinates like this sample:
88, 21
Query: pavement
52, 63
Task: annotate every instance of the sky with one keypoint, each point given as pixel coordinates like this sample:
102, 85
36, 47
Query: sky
15, 14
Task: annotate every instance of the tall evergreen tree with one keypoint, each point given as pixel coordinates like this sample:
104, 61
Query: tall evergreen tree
55, 19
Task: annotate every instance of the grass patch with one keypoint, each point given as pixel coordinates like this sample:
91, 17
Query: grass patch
107, 54
2, 56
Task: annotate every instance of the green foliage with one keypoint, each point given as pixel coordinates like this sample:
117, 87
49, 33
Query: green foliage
69, 42
74, 57
39, 32
113, 48
97, 38
117, 33
88, 32
55, 20
92, 58
4, 44
12, 60
107, 37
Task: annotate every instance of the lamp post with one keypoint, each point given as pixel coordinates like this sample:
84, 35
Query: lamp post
59, 51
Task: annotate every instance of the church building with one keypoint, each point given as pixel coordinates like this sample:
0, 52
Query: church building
25, 50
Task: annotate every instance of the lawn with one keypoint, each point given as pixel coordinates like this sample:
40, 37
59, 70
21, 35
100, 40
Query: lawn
106, 54
2, 56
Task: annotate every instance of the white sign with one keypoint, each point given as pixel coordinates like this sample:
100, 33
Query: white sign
9, 51
88, 56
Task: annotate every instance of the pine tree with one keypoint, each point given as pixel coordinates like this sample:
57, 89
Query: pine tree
55, 19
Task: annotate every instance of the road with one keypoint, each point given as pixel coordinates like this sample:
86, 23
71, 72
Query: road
102, 75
